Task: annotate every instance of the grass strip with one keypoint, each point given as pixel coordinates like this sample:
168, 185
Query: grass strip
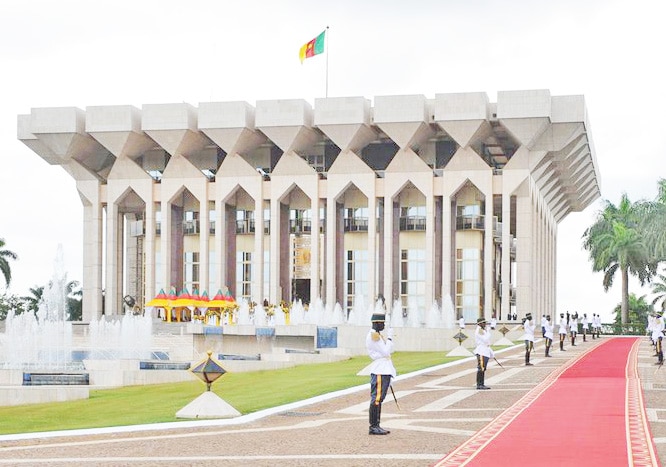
246, 392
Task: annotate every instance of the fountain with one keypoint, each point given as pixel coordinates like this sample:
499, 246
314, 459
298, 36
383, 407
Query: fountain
42, 340
42, 348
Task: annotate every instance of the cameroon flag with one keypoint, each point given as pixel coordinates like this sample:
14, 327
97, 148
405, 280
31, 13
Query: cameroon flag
312, 48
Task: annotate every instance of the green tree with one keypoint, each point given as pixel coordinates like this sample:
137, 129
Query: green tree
74, 301
616, 243
639, 310
32, 301
659, 289
654, 223
10, 302
5, 257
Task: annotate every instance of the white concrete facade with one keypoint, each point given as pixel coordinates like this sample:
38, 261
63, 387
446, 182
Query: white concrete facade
414, 198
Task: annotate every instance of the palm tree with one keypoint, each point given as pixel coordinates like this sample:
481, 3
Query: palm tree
74, 300
616, 242
32, 301
5, 256
659, 289
639, 310
654, 222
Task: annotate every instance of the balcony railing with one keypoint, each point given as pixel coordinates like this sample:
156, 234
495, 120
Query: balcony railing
412, 223
356, 224
297, 226
470, 222
191, 227
245, 226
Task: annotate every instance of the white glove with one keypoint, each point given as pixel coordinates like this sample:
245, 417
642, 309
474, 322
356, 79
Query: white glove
389, 333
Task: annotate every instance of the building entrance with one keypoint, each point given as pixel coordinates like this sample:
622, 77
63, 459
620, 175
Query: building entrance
301, 290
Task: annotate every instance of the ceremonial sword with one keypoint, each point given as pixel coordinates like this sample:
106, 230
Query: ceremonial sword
395, 398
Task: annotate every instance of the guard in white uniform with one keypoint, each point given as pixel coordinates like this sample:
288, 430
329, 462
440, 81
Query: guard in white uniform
573, 327
543, 326
483, 352
528, 337
381, 369
548, 335
658, 336
596, 325
562, 331
586, 326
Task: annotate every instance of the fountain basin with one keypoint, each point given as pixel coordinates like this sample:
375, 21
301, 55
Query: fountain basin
56, 379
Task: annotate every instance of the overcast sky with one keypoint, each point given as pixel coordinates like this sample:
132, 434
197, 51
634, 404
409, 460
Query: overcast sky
85, 53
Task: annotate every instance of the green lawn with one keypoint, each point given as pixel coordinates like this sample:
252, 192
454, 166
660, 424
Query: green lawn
246, 392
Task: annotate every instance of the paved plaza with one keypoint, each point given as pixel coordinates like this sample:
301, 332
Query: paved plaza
438, 410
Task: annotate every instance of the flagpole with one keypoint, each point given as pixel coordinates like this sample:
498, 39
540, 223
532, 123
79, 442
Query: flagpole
329, 44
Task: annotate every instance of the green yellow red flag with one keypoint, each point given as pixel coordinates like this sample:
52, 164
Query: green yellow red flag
312, 48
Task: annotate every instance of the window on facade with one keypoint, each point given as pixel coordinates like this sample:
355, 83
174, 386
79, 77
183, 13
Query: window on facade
412, 279
212, 217
356, 219
317, 162
243, 275
191, 222
300, 221
191, 270
468, 283
356, 277
158, 222
412, 218
244, 222
469, 217
267, 221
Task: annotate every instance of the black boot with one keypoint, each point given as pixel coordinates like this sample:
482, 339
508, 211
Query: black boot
379, 418
561, 345
527, 359
483, 381
375, 429
480, 378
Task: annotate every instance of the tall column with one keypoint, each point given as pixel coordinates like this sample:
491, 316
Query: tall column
258, 255
331, 251
92, 253
488, 256
204, 236
524, 253
315, 290
275, 289
430, 252
220, 250
114, 249
391, 244
373, 290
165, 244
447, 253
505, 267
149, 250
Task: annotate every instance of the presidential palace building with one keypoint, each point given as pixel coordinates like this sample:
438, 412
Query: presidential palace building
417, 199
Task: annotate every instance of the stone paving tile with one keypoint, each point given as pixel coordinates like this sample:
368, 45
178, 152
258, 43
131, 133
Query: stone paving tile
433, 418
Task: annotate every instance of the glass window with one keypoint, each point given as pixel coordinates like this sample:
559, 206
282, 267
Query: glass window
356, 276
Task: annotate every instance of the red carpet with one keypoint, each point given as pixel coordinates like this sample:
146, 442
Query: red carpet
589, 413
